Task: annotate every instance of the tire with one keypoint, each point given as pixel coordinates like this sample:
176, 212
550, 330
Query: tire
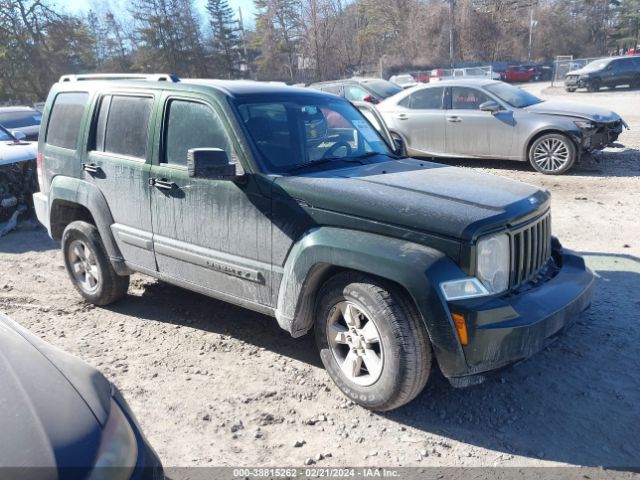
552, 154
594, 85
89, 267
398, 339
570, 90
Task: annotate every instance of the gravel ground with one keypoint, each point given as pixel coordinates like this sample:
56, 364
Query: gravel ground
213, 384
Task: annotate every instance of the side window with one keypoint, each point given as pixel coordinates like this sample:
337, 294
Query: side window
122, 127
192, 125
467, 98
353, 93
427, 99
65, 119
335, 89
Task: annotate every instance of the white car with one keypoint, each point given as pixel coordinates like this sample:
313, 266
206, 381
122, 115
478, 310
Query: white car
471, 72
17, 172
404, 81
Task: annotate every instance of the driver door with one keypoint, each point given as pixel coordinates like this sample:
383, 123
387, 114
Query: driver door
211, 235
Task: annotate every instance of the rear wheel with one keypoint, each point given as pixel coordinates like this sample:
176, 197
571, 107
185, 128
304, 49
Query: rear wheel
372, 341
594, 85
89, 267
570, 89
552, 154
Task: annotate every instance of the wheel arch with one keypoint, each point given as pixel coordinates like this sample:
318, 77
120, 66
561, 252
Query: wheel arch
72, 199
574, 136
415, 270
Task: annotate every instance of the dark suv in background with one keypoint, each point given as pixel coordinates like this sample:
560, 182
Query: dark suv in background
372, 90
606, 72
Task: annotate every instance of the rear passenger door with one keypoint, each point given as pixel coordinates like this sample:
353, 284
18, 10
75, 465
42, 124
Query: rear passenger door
420, 119
118, 163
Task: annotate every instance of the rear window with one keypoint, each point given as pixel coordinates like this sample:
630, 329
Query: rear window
26, 118
123, 125
65, 119
382, 88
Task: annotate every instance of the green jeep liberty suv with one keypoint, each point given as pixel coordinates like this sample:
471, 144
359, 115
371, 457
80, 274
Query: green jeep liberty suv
287, 201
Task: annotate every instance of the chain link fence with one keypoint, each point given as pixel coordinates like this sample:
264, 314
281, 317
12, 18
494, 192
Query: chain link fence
566, 63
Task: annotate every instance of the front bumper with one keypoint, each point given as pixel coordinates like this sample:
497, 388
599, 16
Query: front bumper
504, 330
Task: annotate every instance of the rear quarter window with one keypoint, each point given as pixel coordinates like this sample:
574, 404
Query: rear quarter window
65, 119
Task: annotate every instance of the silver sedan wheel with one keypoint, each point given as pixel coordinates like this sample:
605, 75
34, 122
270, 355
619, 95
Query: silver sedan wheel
355, 343
552, 154
84, 266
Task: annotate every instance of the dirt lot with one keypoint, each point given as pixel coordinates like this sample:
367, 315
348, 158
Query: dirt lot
217, 385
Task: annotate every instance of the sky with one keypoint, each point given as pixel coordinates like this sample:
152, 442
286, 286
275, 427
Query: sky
83, 6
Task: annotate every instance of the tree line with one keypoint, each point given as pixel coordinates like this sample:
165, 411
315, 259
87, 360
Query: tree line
299, 40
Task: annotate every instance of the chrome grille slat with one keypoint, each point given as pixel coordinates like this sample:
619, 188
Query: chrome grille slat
531, 248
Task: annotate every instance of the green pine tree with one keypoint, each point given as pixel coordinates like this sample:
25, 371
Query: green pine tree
226, 43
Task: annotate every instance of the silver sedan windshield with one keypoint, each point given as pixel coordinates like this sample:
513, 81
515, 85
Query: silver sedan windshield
514, 96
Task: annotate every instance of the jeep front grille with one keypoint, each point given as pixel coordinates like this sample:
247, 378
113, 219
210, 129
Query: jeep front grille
530, 250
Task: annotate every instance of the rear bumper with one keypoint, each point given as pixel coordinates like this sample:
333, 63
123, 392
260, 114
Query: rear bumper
41, 206
508, 329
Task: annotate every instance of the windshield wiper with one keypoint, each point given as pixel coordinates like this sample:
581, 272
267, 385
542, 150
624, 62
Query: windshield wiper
312, 163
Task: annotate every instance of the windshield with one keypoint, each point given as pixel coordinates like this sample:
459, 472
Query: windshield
405, 79
20, 119
305, 129
514, 96
382, 89
596, 65
4, 135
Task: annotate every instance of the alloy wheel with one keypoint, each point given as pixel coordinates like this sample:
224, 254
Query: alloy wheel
551, 154
355, 343
84, 266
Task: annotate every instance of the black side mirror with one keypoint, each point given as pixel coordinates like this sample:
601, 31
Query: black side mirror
398, 145
210, 163
490, 106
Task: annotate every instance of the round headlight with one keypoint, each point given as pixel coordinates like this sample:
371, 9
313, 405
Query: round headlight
493, 261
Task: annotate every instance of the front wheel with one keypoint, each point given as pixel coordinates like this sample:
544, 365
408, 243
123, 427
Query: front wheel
552, 154
570, 89
594, 85
372, 341
88, 265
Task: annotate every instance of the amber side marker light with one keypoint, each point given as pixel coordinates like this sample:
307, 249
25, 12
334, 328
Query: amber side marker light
461, 327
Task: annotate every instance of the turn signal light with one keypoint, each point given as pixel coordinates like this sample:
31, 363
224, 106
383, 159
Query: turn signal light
461, 328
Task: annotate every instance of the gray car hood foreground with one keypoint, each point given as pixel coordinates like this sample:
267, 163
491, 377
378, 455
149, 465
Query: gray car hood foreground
419, 195
574, 109
53, 405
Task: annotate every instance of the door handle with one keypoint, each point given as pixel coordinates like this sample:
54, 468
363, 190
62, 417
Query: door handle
454, 119
403, 116
91, 167
162, 183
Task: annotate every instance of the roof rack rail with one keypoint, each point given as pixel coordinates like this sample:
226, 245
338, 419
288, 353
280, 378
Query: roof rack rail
154, 77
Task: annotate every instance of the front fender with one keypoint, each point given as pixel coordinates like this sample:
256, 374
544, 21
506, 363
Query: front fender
416, 268
85, 194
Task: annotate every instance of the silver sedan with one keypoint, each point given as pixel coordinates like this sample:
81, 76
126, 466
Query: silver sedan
489, 119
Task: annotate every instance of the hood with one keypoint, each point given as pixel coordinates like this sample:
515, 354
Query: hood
52, 403
418, 195
12, 152
574, 109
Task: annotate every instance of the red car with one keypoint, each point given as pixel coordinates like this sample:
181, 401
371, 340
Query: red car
519, 73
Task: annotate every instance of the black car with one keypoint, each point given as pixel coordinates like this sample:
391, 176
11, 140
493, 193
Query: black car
62, 419
606, 72
372, 90
22, 119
